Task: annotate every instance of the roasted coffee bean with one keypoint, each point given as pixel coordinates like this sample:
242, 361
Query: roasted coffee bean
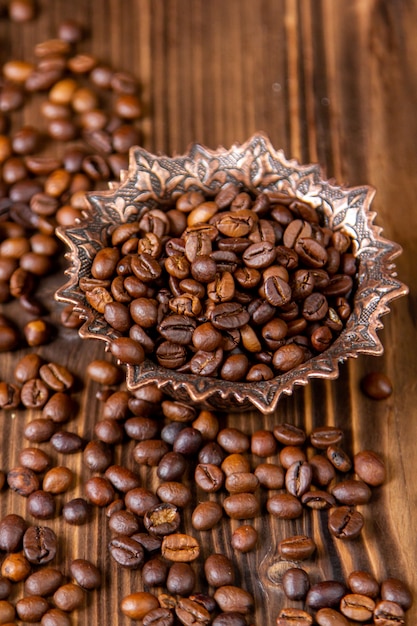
58, 480
34, 394
32, 608
150, 452
55, 617
295, 583
370, 467
298, 478
231, 598
388, 613
162, 519
330, 617
244, 538
43, 582
59, 408
181, 579
206, 515
241, 482
188, 441
318, 499
39, 545
138, 604
41, 505
241, 506
172, 466
189, 611
174, 493
104, 372
97, 456
109, 431
323, 471
233, 440
140, 500
324, 436
208, 477
5, 588
270, 475
376, 385
69, 597
126, 552
338, 458
326, 593
345, 522
99, 491
263, 443
141, 428
161, 616
22, 480
155, 572
219, 570
7, 612
12, 530
9, 396
298, 547
290, 455
122, 478
86, 574
229, 619
395, 590
363, 583
180, 548
76, 511
15, 567
289, 616
351, 492
357, 607
56, 376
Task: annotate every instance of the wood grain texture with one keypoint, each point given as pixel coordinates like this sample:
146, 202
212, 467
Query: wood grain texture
332, 82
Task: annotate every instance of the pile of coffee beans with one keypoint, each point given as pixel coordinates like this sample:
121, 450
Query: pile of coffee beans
89, 113
234, 286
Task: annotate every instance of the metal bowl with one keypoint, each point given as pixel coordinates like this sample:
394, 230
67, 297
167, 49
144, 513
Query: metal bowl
154, 180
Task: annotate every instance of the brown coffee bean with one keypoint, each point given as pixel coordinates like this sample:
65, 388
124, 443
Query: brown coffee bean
22, 480
140, 500
290, 455
41, 505
231, 598
330, 617
104, 372
244, 538
241, 506
99, 491
388, 613
34, 459
338, 458
43, 582
180, 547
76, 511
345, 522
318, 499
289, 616
363, 583
97, 456
395, 590
206, 515
351, 492
7, 612
39, 545
56, 376
32, 608
138, 604
15, 567
55, 617
12, 529
58, 480
324, 436
39, 430
86, 574
324, 594
270, 475
376, 385
323, 471
298, 478
163, 615
370, 467
69, 597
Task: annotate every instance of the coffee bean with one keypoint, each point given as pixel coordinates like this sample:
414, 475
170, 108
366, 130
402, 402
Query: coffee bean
206, 515
66, 442
138, 604
160, 615
189, 611
181, 579
231, 598
241, 506
298, 478
179, 547
370, 467
58, 480
41, 505
31, 609
12, 530
7, 612
229, 619
43, 582
395, 590
69, 597
351, 492
15, 567
39, 545
326, 593
357, 607
86, 574
76, 511
39, 430
22, 480
295, 583
126, 552
244, 538
104, 372
290, 616
338, 458
99, 491
330, 617
298, 547
345, 522
140, 500
376, 385
388, 613
363, 583
55, 617
97, 456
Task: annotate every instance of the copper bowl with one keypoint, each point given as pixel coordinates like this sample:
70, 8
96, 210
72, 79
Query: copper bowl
153, 180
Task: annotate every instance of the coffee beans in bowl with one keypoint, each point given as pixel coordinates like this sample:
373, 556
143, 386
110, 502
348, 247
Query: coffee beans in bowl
228, 277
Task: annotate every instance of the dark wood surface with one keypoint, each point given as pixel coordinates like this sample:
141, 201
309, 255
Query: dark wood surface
329, 82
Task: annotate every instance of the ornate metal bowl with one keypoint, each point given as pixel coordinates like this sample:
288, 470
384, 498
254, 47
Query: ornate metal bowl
152, 181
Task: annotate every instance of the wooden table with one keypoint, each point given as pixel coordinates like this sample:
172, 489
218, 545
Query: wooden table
329, 82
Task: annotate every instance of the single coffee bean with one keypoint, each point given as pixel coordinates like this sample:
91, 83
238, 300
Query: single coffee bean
39, 430
86, 574
284, 506
172, 466
69, 597
241, 506
15, 567
155, 572
244, 538
66, 442
97, 456
12, 530
179, 547
138, 604
324, 436
298, 478
219, 570
395, 590
126, 552
323, 471
22, 480
124, 523
338, 458
181, 579
104, 372
330, 617
99, 491
326, 593
351, 492
298, 547
5, 588
388, 613
32, 608
229, 619
289, 616
39, 545
55, 617
7, 612
295, 583
363, 583
157, 616
376, 385
345, 522
58, 480
76, 511
34, 394
231, 598
357, 607
44, 582
369, 467
140, 500
206, 515
41, 505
